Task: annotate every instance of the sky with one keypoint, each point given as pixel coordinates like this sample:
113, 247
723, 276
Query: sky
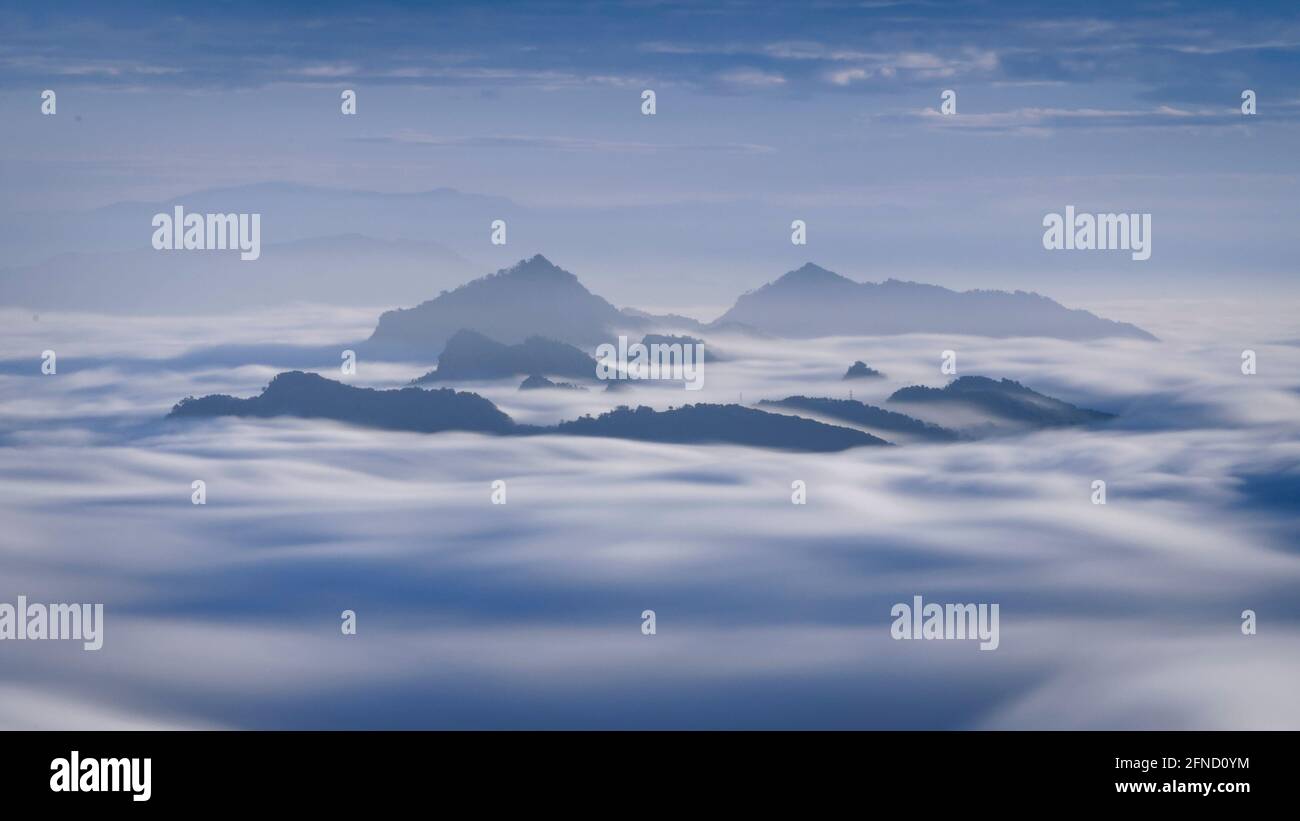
766, 113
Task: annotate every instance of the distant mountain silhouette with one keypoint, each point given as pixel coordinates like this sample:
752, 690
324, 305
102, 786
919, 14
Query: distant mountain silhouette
859, 413
812, 302
859, 370
341, 270
675, 321
729, 424
537, 298
533, 298
538, 382
470, 355
1006, 399
710, 355
312, 396
291, 212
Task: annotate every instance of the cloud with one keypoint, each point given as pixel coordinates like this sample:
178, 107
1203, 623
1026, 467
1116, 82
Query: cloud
581, 144
1156, 47
327, 71
226, 615
846, 76
752, 78
885, 63
1042, 121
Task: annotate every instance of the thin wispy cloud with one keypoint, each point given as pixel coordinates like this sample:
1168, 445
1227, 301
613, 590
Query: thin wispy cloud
624, 44
754, 78
1046, 121
556, 143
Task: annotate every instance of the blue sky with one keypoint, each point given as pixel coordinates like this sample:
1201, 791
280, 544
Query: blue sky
823, 111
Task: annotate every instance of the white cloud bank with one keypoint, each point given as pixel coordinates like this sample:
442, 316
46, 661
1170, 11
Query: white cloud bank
769, 614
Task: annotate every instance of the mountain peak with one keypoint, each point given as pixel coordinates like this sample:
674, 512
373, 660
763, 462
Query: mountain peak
534, 297
1005, 400
811, 272
812, 301
537, 266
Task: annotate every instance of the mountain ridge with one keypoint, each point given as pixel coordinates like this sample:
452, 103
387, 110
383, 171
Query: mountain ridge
1005, 398
312, 396
470, 355
812, 301
535, 297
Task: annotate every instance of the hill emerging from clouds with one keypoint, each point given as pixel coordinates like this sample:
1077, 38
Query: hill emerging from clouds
812, 301
1002, 400
537, 298
532, 298
311, 396
727, 424
471, 356
863, 415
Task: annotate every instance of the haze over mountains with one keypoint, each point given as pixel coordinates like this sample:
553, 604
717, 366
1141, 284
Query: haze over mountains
537, 298
532, 298
290, 213
349, 247
812, 301
349, 269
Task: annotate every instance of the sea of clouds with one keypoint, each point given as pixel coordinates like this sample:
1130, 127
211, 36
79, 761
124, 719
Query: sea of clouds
769, 614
